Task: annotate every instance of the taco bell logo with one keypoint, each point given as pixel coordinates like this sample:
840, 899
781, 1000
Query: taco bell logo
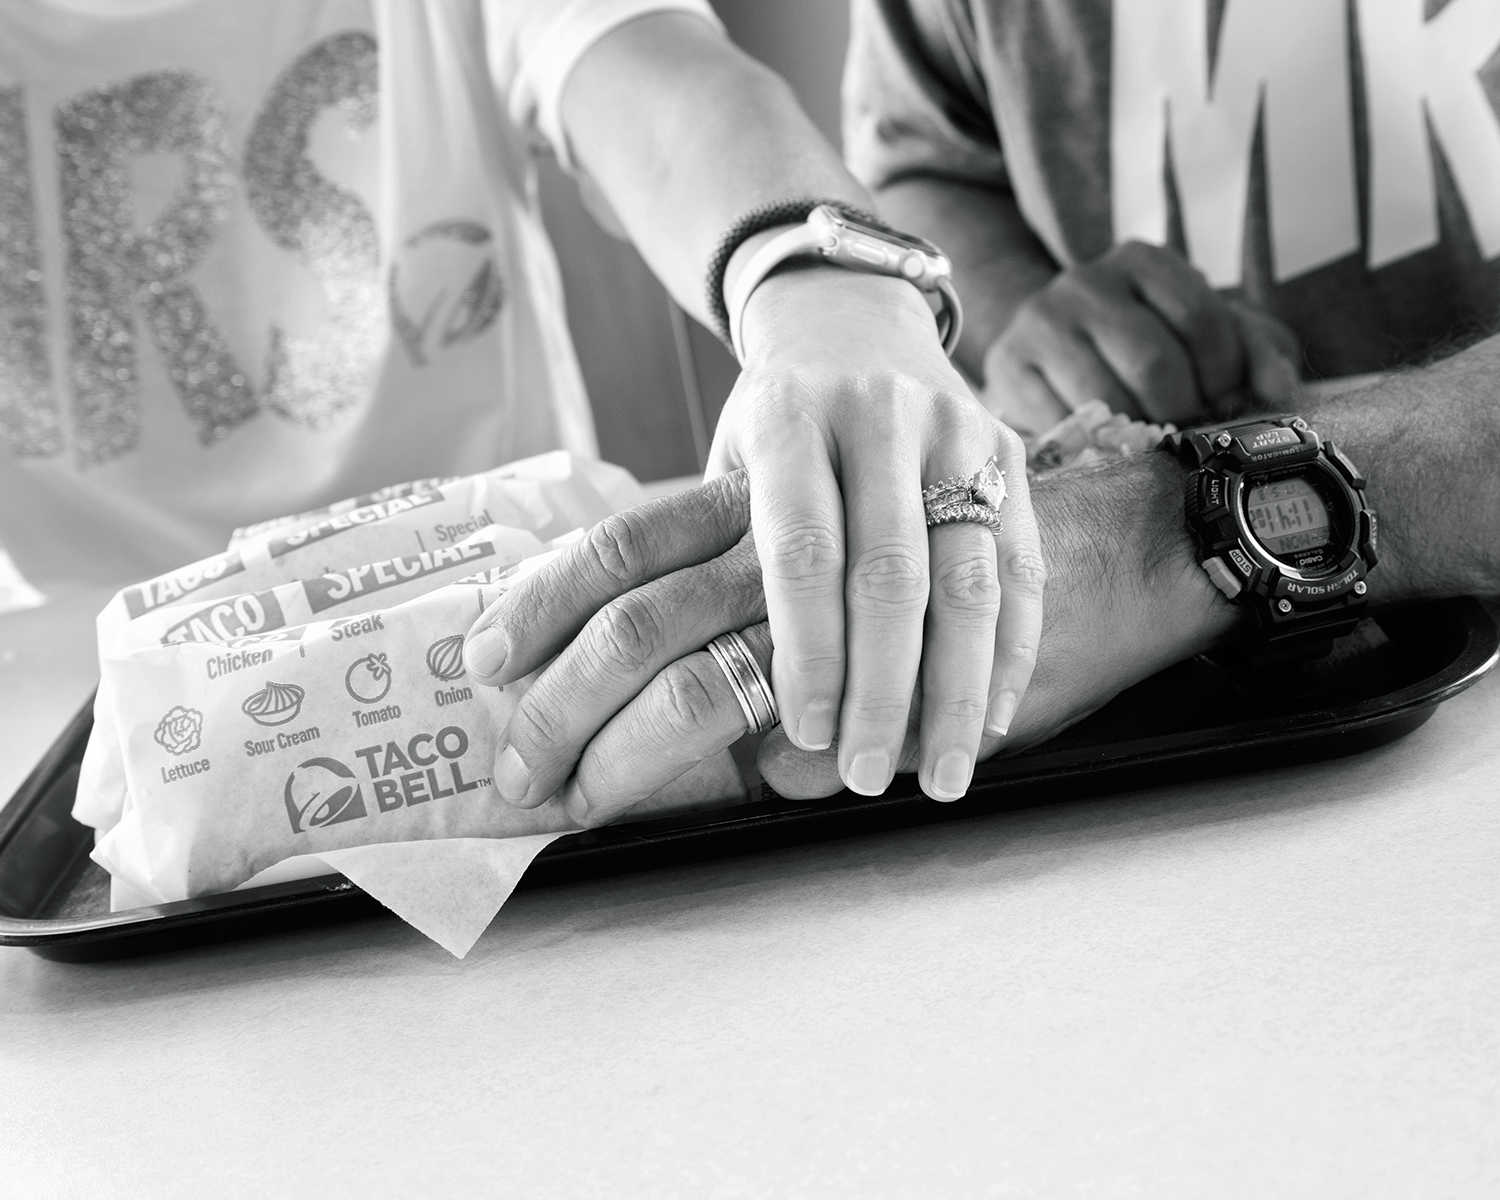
322, 791
395, 774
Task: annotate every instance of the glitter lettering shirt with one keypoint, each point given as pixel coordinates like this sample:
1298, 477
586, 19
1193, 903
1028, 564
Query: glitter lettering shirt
257, 256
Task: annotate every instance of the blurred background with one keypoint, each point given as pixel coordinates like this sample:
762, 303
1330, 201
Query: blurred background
634, 345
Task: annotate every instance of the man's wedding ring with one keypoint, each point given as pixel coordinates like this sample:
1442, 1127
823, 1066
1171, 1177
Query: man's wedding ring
746, 680
975, 497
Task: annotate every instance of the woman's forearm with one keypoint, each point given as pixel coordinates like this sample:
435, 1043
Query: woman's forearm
997, 261
683, 134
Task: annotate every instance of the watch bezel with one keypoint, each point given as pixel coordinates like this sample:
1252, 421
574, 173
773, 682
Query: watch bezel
1242, 483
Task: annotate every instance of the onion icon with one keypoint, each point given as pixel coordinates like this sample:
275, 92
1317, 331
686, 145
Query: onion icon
445, 657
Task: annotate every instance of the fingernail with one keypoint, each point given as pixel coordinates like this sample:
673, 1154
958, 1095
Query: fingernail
512, 776
1002, 712
485, 651
869, 773
950, 778
815, 729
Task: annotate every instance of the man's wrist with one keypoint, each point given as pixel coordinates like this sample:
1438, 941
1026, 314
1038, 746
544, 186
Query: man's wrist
1124, 522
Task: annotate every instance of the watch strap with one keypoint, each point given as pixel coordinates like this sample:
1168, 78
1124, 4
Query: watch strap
757, 220
820, 240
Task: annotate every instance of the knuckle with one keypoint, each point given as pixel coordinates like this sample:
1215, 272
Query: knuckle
879, 711
1134, 250
533, 726
1025, 569
615, 547
628, 632
1010, 448
969, 585
689, 700
891, 579
816, 665
967, 709
1018, 654
1156, 368
1078, 283
807, 550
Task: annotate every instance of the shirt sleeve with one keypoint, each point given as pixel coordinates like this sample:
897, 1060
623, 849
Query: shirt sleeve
533, 45
914, 96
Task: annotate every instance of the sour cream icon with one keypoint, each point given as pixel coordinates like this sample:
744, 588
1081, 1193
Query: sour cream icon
322, 791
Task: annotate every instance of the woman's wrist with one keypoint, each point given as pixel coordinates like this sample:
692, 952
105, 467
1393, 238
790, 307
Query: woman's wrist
793, 308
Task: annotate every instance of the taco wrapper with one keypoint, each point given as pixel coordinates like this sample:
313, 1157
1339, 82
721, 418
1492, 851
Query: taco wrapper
450, 889
546, 495
326, 738
336, 595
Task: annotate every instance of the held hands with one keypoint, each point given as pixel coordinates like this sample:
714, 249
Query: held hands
632, 702
846, 408
1140, 329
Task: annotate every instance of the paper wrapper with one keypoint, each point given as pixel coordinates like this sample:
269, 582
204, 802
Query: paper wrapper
325, 740
274, 714
544, 496
1091, 434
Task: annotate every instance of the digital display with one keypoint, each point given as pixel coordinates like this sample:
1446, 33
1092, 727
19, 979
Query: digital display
1288, 516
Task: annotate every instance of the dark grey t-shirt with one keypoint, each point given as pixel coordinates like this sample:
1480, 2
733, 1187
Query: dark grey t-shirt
1335, 161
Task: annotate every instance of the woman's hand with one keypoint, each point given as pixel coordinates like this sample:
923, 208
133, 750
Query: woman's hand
846, 409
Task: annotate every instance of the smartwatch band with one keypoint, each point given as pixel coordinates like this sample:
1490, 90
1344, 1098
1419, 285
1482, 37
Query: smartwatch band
860, 244
757, 220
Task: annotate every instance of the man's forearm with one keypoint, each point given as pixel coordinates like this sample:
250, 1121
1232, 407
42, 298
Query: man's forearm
997, 261
684, 133
1428, 442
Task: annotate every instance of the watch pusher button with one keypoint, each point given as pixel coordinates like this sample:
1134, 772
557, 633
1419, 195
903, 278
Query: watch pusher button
1212, 495
1241, 562
1223, 577
1345, 468
1369, 537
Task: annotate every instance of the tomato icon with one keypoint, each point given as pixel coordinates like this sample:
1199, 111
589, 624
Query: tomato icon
368, 679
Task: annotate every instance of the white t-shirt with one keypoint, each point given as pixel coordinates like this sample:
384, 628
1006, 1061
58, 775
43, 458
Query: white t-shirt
255, 256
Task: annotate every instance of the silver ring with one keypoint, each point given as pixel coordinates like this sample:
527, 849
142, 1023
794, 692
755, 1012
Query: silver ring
746, 680
975, 497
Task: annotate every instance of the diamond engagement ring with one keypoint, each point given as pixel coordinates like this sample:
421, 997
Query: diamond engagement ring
746, 680
976, 497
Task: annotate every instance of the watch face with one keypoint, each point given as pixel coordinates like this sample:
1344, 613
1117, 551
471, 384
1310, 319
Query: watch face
1300, 519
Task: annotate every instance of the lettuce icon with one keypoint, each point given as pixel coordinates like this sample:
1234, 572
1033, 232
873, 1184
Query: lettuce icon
180, 731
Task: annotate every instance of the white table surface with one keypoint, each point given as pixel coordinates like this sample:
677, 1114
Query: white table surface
1278, 985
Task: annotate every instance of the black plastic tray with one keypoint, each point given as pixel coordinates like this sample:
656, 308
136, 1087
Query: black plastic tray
1198, 719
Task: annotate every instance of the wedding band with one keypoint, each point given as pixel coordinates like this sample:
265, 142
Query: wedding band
746, 680
975, 497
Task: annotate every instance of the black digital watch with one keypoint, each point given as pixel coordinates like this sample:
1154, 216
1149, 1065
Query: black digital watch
1280, 523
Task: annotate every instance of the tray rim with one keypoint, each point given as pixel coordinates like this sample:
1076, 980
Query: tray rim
1407, 707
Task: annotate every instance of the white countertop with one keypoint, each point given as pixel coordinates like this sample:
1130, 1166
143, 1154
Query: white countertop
1283, 984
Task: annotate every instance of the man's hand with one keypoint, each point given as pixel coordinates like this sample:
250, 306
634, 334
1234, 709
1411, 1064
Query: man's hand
1140, 329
